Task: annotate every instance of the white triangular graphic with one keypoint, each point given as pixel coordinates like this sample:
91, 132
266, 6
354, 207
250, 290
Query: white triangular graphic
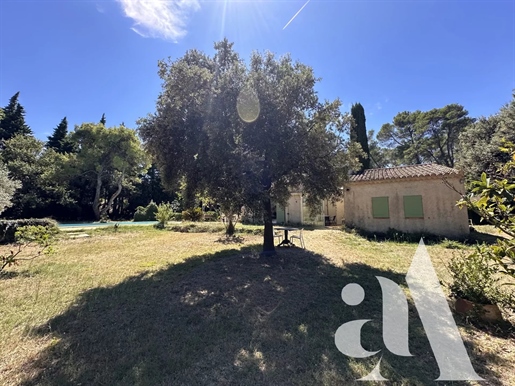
442, 332
374, 375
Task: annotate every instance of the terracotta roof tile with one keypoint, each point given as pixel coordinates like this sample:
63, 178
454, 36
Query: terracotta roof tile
400, 172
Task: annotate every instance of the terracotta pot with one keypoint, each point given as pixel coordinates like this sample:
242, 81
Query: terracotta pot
485, 312
463, 306
491, 313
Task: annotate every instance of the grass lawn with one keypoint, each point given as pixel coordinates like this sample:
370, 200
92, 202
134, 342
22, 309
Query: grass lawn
147, 307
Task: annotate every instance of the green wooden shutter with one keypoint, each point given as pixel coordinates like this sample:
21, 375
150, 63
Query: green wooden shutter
413, 207
380, 208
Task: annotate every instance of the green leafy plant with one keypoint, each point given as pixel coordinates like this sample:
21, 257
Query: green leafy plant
192, 214
493, 198
146, 213
164, 214
211, 216
474, 278
8, 228
31, 241
176, 216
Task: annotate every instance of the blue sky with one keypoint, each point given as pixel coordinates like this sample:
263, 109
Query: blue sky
83, 58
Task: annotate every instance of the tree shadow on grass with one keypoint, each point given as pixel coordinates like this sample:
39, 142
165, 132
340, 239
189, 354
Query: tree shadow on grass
5, 275
230, 318
477, 236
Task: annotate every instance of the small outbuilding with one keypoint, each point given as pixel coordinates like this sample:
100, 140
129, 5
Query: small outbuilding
414, 199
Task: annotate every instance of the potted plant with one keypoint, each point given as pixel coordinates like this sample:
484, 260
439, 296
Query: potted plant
476, 287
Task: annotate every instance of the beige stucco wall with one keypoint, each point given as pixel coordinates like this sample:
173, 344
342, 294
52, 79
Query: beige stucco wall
297, 212
294, 209
441, 215
331, 209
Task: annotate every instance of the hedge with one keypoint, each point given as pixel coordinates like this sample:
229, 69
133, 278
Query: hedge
9, 227
147, 213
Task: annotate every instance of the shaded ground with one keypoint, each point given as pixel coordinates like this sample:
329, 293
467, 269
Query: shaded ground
230, 320
139, 306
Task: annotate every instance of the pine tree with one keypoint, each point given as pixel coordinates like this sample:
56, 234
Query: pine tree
359, 133
13, 121
103, 119
58, 140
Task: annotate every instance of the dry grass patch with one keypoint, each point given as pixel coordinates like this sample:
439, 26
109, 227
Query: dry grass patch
147, 307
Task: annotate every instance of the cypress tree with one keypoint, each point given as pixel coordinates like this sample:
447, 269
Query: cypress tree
13, 121
57, 140
359, 133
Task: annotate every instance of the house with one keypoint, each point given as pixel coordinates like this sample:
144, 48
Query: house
296, 211
415, 198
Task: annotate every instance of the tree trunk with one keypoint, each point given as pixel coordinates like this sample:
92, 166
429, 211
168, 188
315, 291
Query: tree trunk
96, 200
109, 204
268, 240
229, 230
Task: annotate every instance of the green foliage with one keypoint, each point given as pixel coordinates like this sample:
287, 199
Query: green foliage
150, 188
197, 228
493, 199
211, 216
60, 141
146, 213
110, 159
140, 216
8, 228
13, 119
7, 187
358, 134
243, 135
192, 214
27, 236
176, 216
452, 244
379, 156
475, 279
482, 142
151, 210
163, 214
393, 235
425, 137
45, 190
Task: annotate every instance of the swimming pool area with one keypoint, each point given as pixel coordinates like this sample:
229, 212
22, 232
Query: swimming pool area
104, 224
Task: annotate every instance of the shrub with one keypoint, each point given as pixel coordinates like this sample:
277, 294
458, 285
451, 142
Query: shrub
197, 228
192, 214
163, 214
176, 217
41, 236
138, 216
151, 211
147, 213
492, 198
8, 228
211, 216
475, 279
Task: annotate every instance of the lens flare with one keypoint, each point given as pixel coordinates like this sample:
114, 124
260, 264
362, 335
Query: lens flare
247, 105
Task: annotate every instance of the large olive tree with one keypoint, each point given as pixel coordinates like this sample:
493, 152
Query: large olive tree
243, 134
